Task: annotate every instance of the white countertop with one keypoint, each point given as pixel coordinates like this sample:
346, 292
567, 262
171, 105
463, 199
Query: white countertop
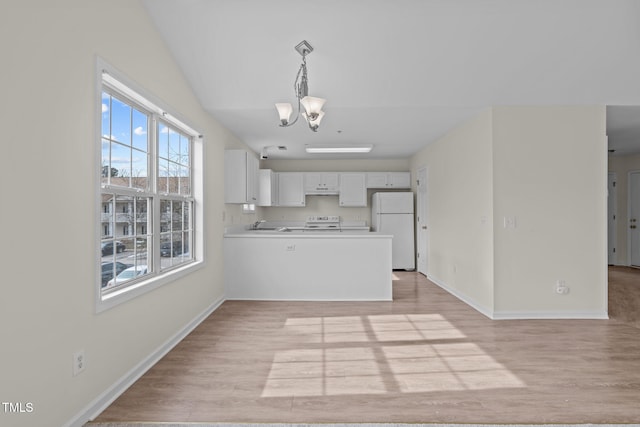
297, 229
301, 234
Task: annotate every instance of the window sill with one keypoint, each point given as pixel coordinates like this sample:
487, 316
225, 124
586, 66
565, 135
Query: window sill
116, 298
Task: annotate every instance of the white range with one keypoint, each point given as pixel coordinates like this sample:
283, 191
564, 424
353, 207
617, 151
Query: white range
333, 223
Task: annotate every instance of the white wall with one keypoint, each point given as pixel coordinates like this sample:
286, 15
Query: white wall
550, 167
328, 205
48, 213
622, 165
546, 168
460, 208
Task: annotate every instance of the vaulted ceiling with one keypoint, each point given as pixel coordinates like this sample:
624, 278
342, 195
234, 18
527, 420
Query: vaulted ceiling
399, 74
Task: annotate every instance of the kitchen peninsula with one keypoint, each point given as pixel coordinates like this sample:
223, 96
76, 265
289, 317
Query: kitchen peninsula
302, 266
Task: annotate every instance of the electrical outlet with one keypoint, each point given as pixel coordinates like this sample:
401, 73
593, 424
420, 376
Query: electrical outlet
509, 222
79, 362
562, 288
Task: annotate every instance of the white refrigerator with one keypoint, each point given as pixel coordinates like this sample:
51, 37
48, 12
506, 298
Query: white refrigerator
392, 213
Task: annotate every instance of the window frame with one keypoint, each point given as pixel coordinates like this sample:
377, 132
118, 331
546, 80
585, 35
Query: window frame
112, 81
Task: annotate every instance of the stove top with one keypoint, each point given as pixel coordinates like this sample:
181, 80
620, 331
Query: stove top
326, 222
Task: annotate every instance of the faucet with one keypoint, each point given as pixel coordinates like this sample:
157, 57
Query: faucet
256, 224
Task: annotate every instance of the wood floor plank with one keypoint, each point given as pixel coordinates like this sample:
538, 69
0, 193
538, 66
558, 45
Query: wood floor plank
426, 357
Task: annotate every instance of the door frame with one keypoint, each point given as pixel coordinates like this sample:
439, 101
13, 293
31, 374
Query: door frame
628, 220
422, 209
612, 218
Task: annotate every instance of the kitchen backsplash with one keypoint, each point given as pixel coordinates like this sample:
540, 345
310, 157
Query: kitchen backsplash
317, 205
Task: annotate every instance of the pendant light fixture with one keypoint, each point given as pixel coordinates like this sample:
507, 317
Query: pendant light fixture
312, 112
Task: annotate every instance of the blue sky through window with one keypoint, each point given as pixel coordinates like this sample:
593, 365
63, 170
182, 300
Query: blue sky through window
125, 133
124, 140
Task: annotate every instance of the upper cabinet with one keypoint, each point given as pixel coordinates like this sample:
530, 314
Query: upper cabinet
291, 189
240, 177
267, 188
321, 183
388, 180
353, 191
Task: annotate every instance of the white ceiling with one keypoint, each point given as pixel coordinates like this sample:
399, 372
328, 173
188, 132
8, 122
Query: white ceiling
398, 74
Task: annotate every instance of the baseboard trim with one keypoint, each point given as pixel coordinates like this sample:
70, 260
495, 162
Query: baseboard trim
550, 315
519, 315
462, 297
100, 403
231, 424
313, 300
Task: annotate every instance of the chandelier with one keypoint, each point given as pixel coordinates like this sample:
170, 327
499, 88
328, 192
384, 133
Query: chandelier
312, 112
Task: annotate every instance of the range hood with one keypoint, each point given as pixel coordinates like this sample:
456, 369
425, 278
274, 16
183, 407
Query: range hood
322, 192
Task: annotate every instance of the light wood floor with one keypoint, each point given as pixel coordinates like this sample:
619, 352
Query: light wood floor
423, 358
624, 294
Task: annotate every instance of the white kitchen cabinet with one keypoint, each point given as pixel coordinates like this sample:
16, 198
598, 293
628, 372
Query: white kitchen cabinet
240, 177
399, 179
321, 183
353, 190
376, 179
388, 180
267, 188
291, 189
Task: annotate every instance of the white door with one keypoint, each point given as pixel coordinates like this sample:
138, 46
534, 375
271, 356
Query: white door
634, 217
422, 231
611, 218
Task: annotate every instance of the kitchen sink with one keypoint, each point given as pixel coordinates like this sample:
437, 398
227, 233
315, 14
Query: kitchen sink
279, 229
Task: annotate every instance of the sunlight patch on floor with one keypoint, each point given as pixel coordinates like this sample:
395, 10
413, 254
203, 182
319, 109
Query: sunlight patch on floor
324, 372
439, 367
402, 353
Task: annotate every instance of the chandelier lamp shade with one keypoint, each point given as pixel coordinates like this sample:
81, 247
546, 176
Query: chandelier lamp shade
311, 106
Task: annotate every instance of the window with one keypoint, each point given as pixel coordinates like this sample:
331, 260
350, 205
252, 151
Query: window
174, 183
147, 212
